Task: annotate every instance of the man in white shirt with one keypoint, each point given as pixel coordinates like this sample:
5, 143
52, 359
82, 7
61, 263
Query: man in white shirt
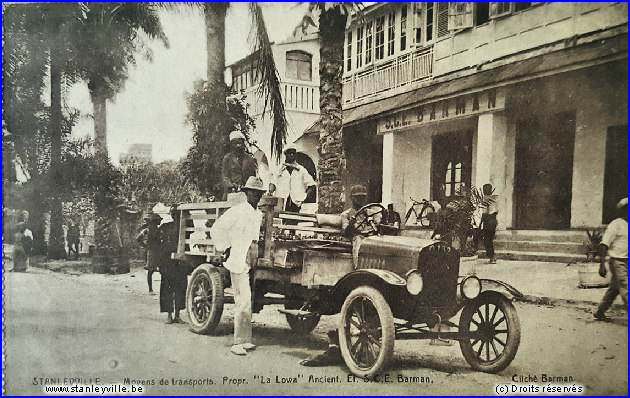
615, 242
235, 230
293, 182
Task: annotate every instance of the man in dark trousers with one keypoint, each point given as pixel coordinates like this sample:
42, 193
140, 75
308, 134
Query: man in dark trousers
73, 237
615, 244
174, 275
489, 221
237, 166
150, 239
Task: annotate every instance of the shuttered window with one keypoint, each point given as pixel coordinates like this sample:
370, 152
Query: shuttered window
442, 19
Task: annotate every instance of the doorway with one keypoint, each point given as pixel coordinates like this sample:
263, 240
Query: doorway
544, 171
616, 171
451, 165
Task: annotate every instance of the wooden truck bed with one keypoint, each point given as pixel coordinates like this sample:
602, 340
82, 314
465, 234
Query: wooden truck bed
292, 247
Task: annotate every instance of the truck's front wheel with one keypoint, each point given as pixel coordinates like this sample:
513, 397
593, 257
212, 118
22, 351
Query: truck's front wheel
204, 299
366, 334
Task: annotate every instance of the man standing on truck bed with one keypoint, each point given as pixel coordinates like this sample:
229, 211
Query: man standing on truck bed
293, 183
233, 233
237, 166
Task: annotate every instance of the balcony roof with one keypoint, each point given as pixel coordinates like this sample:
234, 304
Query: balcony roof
596, 52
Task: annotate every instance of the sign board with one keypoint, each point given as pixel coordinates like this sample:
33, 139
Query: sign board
466, 105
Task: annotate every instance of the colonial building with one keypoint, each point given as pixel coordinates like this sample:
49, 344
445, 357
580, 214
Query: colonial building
297, 61
138, 152
530, 97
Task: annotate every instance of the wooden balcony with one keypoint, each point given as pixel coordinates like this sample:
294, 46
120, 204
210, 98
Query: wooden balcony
404, 69
297, 97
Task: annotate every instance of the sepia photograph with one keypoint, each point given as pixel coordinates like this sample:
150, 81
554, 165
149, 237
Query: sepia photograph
314, 198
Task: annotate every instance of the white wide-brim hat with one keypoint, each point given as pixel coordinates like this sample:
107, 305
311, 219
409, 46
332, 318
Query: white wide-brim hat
236, 135
254, 183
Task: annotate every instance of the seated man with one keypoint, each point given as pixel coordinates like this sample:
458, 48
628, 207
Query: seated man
358, 196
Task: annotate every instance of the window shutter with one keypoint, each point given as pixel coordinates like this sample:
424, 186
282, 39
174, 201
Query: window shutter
460, 15
442, 19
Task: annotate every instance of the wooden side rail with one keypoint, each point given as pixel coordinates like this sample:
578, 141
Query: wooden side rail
196, 220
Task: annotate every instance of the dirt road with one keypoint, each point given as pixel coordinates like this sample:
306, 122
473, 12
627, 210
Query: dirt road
66, 328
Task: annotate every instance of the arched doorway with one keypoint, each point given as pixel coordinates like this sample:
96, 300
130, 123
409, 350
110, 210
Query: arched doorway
306, 161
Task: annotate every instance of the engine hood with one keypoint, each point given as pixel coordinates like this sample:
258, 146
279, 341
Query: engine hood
394, 246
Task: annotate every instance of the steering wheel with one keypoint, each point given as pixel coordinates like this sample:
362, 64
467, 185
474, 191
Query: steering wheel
368, 218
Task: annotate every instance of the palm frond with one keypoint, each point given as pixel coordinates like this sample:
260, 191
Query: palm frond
269, 88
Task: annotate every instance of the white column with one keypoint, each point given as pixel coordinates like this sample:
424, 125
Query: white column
388, 167
483, 160
490, 163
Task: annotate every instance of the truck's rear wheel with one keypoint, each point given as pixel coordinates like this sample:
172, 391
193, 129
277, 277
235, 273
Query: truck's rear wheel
366, 334
204, 299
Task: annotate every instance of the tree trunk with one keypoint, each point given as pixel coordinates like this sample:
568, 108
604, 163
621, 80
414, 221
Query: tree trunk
215, 41
56, 247
332, 159
99, 105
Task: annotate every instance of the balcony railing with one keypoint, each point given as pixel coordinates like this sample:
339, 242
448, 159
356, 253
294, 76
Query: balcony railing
297, 97
405, 69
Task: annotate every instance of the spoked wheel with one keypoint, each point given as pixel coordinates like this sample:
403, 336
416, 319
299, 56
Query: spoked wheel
204, 299
495, 332
426, 215
366, 334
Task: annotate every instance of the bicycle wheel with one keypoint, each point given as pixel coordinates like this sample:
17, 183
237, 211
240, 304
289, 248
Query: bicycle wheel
408, 215
426, 216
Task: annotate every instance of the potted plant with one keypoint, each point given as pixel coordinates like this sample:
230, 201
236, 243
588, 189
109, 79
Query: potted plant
588, 271
456, 219
594, 239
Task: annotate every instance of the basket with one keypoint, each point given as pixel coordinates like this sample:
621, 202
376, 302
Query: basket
588, 275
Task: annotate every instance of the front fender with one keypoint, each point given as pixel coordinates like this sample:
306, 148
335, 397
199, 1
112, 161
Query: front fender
386, 282
502, 287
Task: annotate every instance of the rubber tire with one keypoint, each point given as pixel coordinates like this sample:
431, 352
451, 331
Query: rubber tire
302, 326
513, 326
423, 220
388, 336
408, 215
209, 324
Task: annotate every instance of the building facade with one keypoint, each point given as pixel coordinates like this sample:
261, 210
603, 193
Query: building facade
138, 152
297, 62
529, 97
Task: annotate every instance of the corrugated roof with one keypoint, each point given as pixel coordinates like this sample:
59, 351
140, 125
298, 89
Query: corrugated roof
580, 56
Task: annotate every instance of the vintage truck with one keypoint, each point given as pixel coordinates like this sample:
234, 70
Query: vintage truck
402, 287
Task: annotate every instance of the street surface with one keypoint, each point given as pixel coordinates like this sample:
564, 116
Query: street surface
59, 326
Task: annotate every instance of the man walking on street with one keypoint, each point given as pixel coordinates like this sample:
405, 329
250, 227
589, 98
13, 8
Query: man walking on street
237, 166
233, 234
293, 182
615, 243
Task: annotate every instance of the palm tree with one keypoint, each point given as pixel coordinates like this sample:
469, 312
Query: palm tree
332, 18
214, 15
107, 43
24, 114
108, 38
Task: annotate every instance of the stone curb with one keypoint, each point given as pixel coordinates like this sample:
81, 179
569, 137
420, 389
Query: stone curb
560, 302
